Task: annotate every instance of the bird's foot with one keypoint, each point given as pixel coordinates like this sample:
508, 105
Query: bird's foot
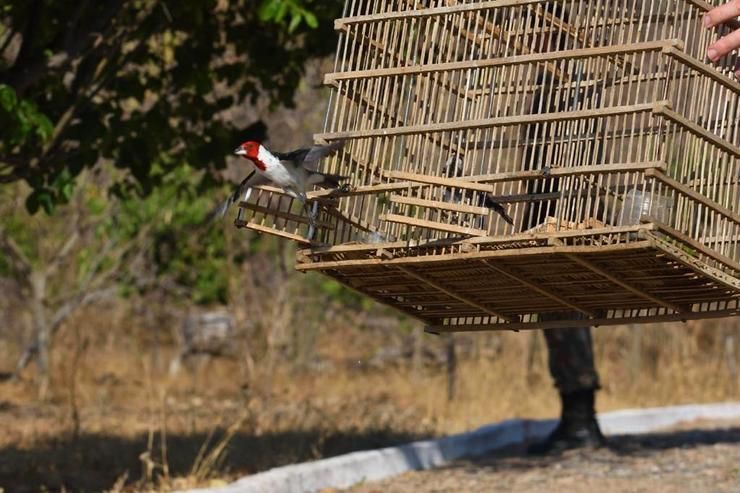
312, 225
239, 219
313, 214
546, 172
344, 188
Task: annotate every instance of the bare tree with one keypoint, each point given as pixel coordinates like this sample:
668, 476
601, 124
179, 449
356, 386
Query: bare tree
67, 264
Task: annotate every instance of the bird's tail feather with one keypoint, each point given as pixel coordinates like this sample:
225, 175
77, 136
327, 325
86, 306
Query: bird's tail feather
498, 208
219, 211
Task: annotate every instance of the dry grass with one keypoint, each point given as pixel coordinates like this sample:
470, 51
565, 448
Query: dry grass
116, 420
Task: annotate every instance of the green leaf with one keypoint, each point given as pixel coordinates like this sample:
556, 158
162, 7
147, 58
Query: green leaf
47, 202
310, 19
44, 127
268, 10
295, 21
64, 185
41, 198
8, 99
281, 11
66, 191
96, 205
32, 202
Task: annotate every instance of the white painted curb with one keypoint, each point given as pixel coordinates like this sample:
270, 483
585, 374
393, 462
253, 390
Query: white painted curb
345, 470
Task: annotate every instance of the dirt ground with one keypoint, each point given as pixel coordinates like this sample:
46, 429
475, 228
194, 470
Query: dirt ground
697, 457
116, 420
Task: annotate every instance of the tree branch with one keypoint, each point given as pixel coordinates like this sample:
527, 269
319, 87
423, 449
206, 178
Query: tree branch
6, 40
9, 178
29, 31
138, 241
93, 288
57, 320
12, 161
22, 265
69, 39
27, 71
63, 312
103, 73
62, 253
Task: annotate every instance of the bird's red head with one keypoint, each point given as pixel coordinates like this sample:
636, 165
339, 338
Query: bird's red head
249, 149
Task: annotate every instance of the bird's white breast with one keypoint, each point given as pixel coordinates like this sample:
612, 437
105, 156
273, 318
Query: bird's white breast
275, 170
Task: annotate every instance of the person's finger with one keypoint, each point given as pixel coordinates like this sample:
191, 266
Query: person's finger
724, 45
723, 13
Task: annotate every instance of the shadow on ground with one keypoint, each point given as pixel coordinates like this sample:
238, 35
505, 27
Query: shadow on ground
637, 446
94, 462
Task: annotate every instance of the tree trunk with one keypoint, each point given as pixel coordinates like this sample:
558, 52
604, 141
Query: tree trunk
451, 368
635, 355
418, 348
41, 327
533, 351
731, 360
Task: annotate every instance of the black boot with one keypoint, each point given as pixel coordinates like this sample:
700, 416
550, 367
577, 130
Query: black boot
578, 427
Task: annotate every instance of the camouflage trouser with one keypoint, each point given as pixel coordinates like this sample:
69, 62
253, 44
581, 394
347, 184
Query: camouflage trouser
571, 356
570, 350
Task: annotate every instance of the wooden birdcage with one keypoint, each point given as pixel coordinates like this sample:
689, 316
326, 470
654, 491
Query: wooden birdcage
598, 126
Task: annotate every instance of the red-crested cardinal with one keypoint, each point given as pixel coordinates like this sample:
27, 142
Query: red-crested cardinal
293, 171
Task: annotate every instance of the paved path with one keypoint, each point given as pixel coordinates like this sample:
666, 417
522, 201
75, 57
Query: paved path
698, 457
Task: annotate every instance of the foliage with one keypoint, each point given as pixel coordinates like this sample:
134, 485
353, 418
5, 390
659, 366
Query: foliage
21, 119
278, 10
184, 255
142, 83
139, 89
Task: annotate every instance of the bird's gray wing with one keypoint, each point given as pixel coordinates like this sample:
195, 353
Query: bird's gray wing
318, 152
252, 180
309, 157
294, 157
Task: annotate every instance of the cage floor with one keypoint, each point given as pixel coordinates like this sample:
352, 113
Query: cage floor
505, 285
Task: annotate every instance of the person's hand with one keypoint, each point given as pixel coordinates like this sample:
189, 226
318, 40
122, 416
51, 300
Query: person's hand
720, 15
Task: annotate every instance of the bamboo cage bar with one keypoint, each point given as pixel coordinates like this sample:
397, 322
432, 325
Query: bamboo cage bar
513, 158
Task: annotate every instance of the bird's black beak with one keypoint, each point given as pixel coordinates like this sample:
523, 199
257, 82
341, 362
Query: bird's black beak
239, 151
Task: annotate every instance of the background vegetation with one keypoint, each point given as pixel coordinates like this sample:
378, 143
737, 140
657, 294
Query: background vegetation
116, 120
